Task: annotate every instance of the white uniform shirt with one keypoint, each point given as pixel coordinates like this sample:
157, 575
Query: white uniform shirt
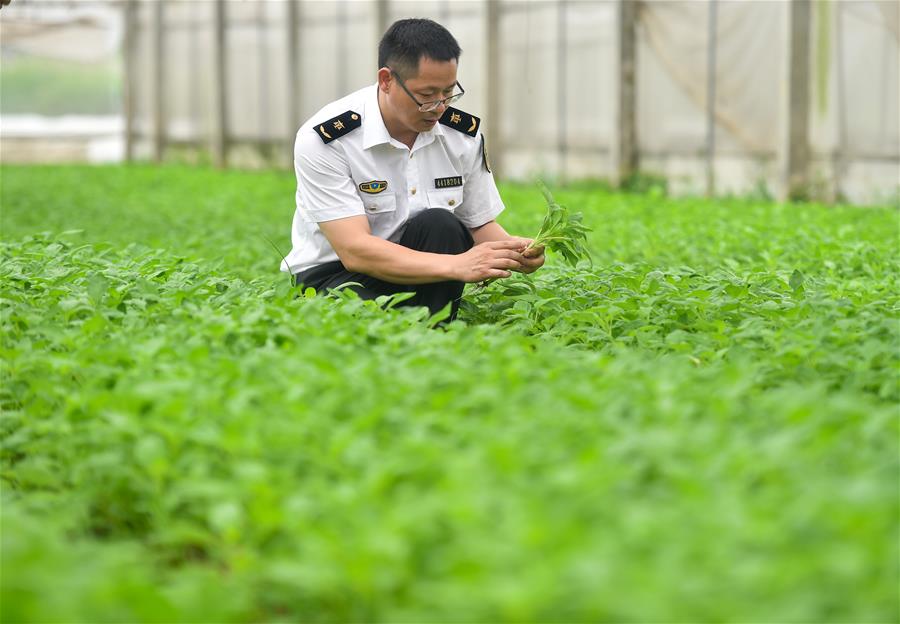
331, 178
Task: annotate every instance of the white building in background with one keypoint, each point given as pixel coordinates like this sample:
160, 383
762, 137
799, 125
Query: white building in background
556, 88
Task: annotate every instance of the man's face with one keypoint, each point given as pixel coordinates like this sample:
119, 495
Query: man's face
435, 80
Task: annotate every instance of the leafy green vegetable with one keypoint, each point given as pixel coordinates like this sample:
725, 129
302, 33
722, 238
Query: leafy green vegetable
562, 231
185, 438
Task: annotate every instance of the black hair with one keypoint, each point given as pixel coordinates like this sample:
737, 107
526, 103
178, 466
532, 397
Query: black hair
408, 40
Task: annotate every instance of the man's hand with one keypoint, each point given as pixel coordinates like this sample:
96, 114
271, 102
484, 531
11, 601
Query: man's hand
490, 260
532, 259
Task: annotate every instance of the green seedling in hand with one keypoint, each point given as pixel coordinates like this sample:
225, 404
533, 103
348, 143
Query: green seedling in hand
561, 232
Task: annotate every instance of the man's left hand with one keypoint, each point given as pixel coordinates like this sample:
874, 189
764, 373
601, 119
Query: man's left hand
533, 258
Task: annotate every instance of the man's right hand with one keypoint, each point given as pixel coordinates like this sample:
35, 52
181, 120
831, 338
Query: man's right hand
490, 260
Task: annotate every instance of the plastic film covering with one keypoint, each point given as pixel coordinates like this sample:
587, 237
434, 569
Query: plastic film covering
554, 99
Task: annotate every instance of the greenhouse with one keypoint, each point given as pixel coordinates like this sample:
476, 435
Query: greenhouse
664, 389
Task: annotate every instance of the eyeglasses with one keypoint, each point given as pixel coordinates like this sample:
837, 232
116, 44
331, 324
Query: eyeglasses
427, 107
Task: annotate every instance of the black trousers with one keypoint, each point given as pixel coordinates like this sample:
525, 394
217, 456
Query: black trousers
435, 230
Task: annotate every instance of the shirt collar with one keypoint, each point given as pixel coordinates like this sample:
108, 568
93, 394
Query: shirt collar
374, 130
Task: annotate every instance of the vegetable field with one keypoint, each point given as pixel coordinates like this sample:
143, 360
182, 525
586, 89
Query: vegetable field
702, 425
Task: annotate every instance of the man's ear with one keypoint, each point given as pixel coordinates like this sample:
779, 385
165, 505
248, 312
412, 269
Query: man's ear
385, 79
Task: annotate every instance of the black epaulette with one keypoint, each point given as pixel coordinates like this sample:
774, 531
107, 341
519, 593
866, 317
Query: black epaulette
336, 127
459, 120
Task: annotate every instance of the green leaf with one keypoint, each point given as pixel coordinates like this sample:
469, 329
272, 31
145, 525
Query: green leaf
796, 280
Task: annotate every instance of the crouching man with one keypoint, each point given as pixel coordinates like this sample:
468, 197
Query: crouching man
394, 190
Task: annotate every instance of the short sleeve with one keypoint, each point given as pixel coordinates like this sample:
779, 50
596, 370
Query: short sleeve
481, 200
325, 189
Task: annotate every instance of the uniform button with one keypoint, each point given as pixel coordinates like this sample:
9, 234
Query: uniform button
413, 190
370, 207
452, 202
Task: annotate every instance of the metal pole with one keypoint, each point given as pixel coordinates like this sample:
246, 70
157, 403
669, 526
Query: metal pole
493, 84
293, 76
341, 42
561, 87
159, 75
796, 148
219, 91
263, 80
841, 156
194, 86
625, 140
382, 15
130, 75
711, 99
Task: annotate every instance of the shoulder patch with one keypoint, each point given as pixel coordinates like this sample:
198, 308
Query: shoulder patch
336, 127
459, 120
